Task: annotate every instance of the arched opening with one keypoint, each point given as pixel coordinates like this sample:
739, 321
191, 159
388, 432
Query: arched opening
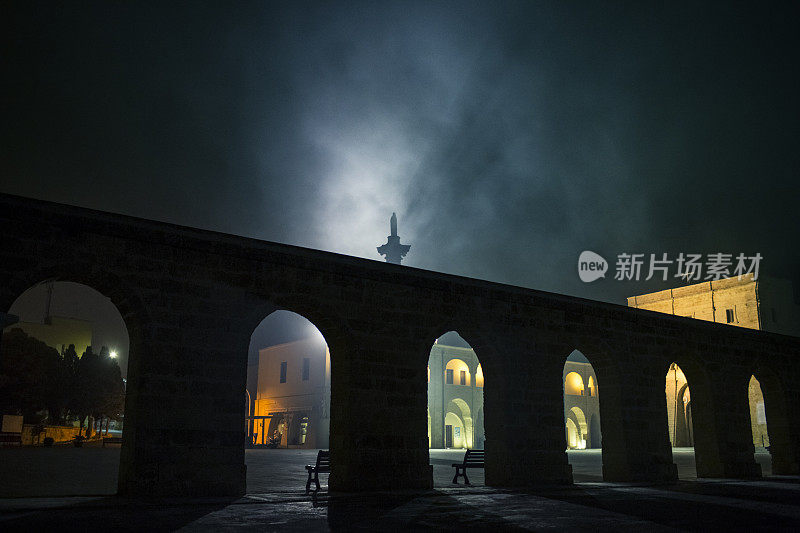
582, 418
64, 368
758, 425
455, 405
781, 458
573, 435
289, 375
577, 417
679, 408
679, 419
454, 431
573, 384
758, 415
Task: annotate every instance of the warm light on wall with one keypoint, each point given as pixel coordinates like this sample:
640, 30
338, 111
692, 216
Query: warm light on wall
479, 377
458, 366
573, 384
592, 387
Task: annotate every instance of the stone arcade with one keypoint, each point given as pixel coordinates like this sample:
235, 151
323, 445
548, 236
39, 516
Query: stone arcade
191, 299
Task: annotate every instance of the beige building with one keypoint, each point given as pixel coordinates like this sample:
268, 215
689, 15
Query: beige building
291, 402
765, 304
455, 398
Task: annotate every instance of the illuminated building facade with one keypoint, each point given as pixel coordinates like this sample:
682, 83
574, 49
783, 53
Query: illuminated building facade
581, 403
455, 398
764, 304
291, 403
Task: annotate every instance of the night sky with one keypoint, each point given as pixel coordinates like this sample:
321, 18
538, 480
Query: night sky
508, 137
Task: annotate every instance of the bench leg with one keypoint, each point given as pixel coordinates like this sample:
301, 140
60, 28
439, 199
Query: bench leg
316, 479
308, 483
466, 479
455, 478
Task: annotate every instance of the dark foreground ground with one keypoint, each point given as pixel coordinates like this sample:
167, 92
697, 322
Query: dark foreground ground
276, 500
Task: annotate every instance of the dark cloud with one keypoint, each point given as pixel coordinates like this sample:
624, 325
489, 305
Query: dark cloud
508, 138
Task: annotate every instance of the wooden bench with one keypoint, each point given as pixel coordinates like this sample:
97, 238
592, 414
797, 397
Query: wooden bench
472, 459
323, 465
111, 440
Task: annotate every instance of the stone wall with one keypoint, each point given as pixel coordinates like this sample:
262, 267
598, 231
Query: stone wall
192, 298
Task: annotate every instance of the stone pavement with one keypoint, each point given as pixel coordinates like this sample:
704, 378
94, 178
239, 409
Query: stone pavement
772, 505
276, 501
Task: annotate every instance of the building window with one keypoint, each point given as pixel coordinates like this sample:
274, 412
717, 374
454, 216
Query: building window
463, 377
306, 368
283, 372
729, 316
448, 376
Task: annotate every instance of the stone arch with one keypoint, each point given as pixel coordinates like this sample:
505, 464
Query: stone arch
128, 302
703, 431
472, 334
454, 421
619, 437
784, 448
572, 434
573, 384
466, 417
677, 387
324, 317
479, 376
758, 418
293, 381
580, 398
578, 418
124, 296
465, 401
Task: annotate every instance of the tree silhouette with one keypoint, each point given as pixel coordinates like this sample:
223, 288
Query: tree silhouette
31, 370
35, 377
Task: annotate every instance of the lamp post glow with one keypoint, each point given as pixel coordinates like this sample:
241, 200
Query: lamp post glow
112, 355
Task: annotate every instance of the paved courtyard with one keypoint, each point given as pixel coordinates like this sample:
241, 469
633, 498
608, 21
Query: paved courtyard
276, 499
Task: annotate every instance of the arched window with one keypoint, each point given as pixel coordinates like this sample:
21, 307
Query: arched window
592, 387
456, 372
573, 384
479, 377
